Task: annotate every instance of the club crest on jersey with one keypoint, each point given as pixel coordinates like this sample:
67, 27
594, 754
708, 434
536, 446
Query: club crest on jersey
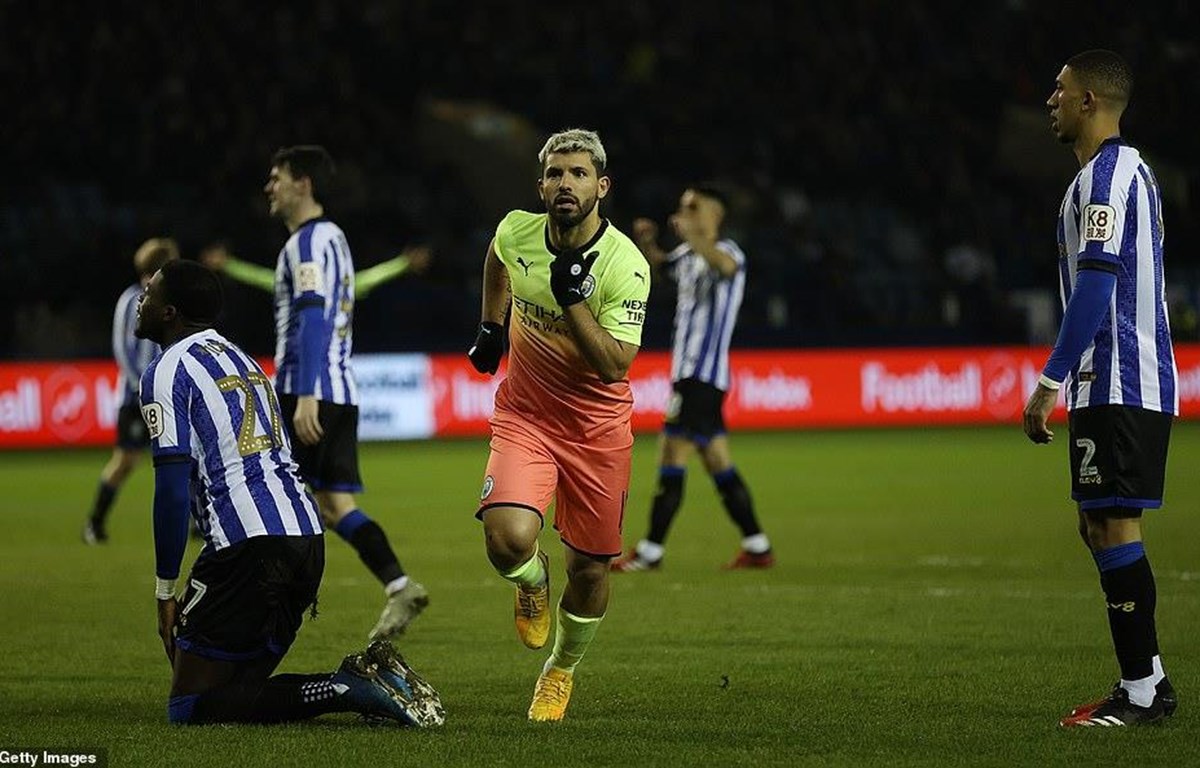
488, 484
152, 414
1099, 222
308, 277
587, 287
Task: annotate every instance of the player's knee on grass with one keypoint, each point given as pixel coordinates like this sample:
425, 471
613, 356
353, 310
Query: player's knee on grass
181, 709
231, 704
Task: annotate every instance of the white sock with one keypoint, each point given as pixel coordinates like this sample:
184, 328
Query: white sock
394, 586
649, 551
756, 544
1141, 692
1158, 674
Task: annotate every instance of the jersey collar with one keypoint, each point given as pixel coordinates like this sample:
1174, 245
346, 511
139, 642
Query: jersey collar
589, 244
313, 220
1112, 141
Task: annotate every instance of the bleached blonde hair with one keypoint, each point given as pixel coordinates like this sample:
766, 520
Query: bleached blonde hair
576, 140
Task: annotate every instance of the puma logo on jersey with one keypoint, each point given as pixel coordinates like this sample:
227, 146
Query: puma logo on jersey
524, 265
639, 276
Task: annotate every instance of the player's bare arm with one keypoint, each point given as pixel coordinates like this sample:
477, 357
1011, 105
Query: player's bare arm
167, 610
307, 420
645, 235
497, 290
609, 357
1037, 412
703, 240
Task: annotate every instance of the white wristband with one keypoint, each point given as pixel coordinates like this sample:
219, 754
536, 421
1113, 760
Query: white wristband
164, 589
1049, 383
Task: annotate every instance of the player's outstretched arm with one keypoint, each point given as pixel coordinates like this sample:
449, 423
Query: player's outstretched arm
371, 278
219, 259
414, 259
250, 274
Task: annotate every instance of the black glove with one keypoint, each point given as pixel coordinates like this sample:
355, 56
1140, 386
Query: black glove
568, 271
485, 353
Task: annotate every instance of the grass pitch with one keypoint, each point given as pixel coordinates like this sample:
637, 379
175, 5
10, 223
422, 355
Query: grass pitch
932, 605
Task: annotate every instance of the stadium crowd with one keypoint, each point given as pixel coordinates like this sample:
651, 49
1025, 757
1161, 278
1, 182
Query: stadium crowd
886, 187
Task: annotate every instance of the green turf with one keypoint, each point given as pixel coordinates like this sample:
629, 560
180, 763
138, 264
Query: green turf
932, 605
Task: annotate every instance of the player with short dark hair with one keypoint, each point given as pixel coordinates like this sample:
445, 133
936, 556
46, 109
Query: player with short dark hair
132, 356
1114, 362
308, 161
710, 272
576, 289
222, 455
314, 315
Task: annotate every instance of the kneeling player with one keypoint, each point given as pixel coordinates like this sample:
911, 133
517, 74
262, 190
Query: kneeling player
219, 448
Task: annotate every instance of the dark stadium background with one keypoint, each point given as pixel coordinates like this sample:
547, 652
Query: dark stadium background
893, 174
895, 183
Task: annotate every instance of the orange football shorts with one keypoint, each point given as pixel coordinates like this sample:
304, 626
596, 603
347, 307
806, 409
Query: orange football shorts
588, 482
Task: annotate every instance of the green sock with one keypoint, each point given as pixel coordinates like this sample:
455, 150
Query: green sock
572, 637
528, 574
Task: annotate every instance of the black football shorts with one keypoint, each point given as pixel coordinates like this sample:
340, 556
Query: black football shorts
132, 434
695, 412
247, 601
1118, 457
331, 464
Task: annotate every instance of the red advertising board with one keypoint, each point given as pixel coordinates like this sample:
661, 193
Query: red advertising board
75, 403
787, 389
45, 404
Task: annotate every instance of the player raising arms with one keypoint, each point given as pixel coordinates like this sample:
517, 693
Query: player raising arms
1115, 361
413, 259
220, 449
576, 289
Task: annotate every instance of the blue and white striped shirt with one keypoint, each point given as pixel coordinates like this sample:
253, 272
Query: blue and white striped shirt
315, 270
133, 355
1111, 219
705, 314
207, 400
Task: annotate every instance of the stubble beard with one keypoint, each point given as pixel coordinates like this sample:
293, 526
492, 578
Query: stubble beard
572, 220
